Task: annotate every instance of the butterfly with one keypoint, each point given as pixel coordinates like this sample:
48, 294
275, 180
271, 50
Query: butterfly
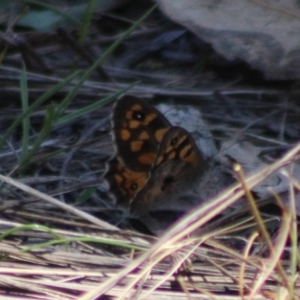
156, 166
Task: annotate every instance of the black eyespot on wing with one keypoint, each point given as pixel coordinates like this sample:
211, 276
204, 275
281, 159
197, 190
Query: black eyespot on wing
137, 115
167, 181
133, 186
174, 141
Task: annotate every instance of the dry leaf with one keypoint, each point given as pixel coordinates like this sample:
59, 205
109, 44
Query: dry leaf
265, 34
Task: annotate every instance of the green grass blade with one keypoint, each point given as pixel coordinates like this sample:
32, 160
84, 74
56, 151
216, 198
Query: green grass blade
92, 107
65, 103
35, 105
49, 117
86, 20
21, 228
85, 195
110, 49
104, 241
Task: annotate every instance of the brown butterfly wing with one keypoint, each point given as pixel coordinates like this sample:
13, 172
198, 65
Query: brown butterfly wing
179, 145
178, 167
123, 183
138, 129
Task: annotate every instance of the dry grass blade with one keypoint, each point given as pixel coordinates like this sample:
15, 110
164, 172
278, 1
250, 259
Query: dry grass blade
199, 218
58, 203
